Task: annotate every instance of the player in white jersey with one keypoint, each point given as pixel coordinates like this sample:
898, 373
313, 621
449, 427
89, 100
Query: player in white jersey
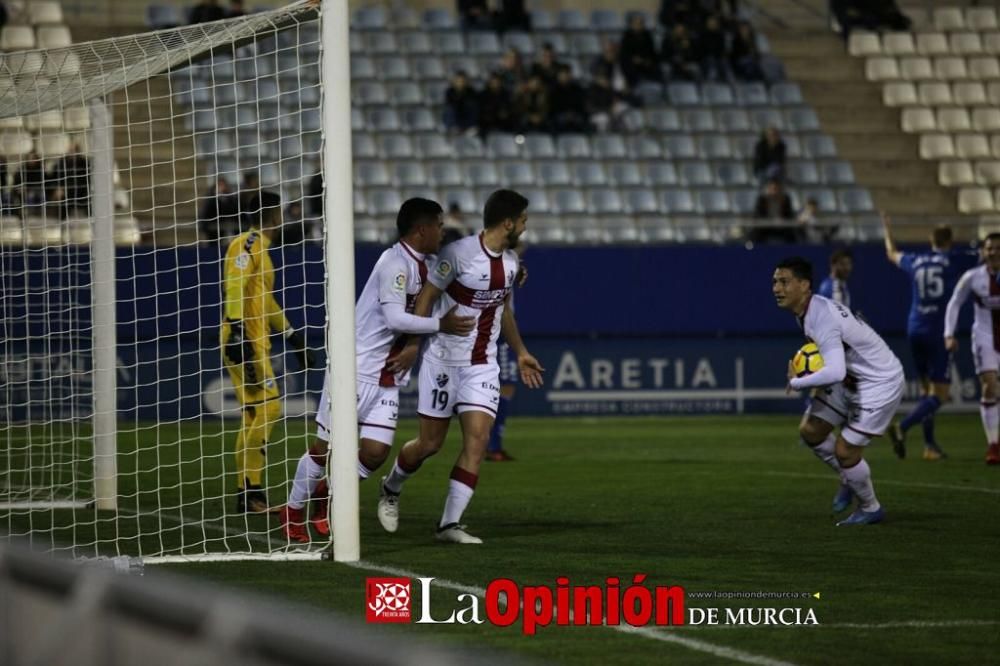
981, 283
859, 387
383, 320
460, 375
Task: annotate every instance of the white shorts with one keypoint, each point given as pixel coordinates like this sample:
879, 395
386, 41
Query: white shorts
378, 411
864, 413
984, 354
447, 390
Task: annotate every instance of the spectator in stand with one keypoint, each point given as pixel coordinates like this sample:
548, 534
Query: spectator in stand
513, 16
219, 213
712, 50
874, 15
236, 9
605, 104
547, 66
532, 103
568, 104
496, 107
30, 184
72, 179
608, 65
774, 205
812, 228
314, 196
688, 13
512, 71
769, 156
475, 15
461, 108
637, 53
679, 52
744, 55
207, 10
249, 192
296, 229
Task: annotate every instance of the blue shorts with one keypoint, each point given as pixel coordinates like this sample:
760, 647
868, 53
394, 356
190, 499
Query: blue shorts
931, 358
507, 363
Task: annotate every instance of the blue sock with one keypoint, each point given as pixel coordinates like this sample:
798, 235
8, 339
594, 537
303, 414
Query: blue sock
496, 434
928, 425
926, 407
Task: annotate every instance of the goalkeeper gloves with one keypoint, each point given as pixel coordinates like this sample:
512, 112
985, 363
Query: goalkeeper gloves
239, 351
303, 354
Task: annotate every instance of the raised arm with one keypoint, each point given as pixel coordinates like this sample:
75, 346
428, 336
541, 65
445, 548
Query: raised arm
891, 252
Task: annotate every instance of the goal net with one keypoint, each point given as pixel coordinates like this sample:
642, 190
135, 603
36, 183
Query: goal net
132, 164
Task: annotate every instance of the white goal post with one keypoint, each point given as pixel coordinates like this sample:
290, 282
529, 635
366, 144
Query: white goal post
120, 428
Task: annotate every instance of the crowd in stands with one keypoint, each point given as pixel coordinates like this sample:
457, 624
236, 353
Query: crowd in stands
872, 15
226, 212
59, 190
210, 10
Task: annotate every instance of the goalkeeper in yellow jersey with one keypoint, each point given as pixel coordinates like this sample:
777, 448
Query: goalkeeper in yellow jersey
250, 314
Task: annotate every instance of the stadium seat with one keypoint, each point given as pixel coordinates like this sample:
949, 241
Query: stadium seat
957, 173
468, 147
16, 38
864, 43
932, 44
855, 200
62, 64
609, 147
449, 43
363, 146
751, 94
369, 18
731, 173
733, 120
802, 172
786, 94
950, 67
370, 93
972, 146
539, 146
445, 173
553, 173
404, 18
381, 43
916, 69
696, 174
24, 64
419, 120
743, 200
661, 174
52, 144
986, 120
918, 119
818, 146
409, 174
714, 147
522, 42
568, 201
502, 146
934, 93
988, 172
394, 68
620, 229
585, 230
650, 93
434, 147
572, 19
969, 93
539, 198
675, 201
802, 120
714, 202
663, 120
159, 17
384, 201
948, 19
40, 231
991, 42
415, 43
679, 146
837, 172
717, 94
693, 229
546, 229
395, 146
383, 120
825, 198
899, 93
981, 19
985, 67
655, 229
428, 67
965, 43
13, 145
683, 94
744, 144
604, 201
767, 117
586, 45
46, 120
937, 147
573, 146
607, 20
975, 200
698, 120
464, 197
366, 230
642, 147
882, 68
641, 201
484, 43
439, 19
482, 173
898, 44
11, 123
624, 174
517, 173
954, 120
589, 174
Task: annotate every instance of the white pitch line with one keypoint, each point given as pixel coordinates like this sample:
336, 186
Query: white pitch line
881, 481
646, 632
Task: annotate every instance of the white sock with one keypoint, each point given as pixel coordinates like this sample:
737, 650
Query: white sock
459, 496
825, 451
859, 478
394, 482
307, 477
991, 421
363, 472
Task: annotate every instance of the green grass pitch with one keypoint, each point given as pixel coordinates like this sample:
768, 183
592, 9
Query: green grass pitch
708, 503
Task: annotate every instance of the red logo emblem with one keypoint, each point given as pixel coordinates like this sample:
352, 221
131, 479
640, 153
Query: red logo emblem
388, 600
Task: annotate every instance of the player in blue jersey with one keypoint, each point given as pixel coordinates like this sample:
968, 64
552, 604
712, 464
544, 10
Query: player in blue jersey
934, 274
834, 286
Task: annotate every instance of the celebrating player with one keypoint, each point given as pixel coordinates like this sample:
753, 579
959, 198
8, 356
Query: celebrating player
981, 283
460, 375
250, 313
834, 286
934, 275
859, 386
383, 321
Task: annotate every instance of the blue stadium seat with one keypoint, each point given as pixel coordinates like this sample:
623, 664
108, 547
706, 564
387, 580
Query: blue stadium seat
679, 146
696, 174
434, 147
482, 173
693, 229
521, 41
802, 120
714, 147
605, 201
655, 229
608, 147
542, 19
415, 43
568, 201
419, 120
439, 19
360, 201
584, 230
663, 120
518, 173
502, 145
463, 63
751, 94
468, 147
786, 94
717, 94
744, 200
445, 173
714, 202
559, 41
632, 121
585, 45
793, 146
641, 201
607, 20
363, 146
818, 146
404, 18
539, 146
429, 67
620, 229
395, 146
767, 117
369, 18
624, 174
573, 146
369, 93
553, 173
449, 43
384, 201
463, 196
589, 174
380, 43
406, 93
733, 120
743, 145
661, 174
855, 200
802, 172
538, 198
394, 68
383, 120
825, 198
649, 93
484, 43
572, 19
700, 119
546, 229
409, 174
675, 201
643, 147
366, 230
683, 94
837, 172
730, 173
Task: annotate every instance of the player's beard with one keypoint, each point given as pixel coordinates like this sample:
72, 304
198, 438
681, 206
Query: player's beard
513, 240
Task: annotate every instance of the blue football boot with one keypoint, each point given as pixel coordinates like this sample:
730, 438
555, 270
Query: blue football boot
860, 517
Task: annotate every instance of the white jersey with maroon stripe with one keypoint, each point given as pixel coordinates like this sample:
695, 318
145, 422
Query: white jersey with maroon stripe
396, 280
478, 281
982, 286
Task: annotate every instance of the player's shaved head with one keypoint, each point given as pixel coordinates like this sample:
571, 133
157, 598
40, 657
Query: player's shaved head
941, 237
799, 267
417, 211
503, 205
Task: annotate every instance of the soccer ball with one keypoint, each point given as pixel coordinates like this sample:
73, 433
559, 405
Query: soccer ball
807, 360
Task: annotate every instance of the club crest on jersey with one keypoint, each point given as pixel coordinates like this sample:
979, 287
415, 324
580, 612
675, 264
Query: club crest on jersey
443, 268
441, 380
242, 260
399, 283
